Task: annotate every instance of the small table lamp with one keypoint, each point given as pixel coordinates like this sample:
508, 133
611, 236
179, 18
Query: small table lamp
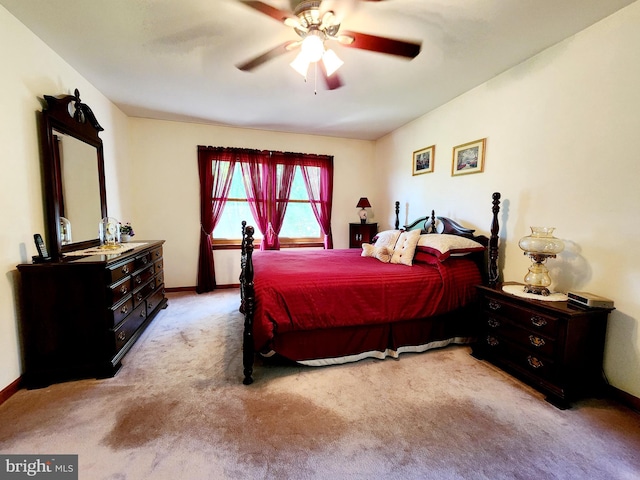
362, 204
539, 246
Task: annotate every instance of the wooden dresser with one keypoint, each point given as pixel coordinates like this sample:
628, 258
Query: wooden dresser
554, 346
81, 316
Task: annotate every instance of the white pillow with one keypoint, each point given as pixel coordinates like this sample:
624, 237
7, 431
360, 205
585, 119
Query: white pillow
444, 245
381, 253
387, 238
406, 247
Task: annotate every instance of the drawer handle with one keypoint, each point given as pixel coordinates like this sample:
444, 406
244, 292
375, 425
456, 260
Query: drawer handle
534, 362
124, 309
494, 305
492, 341
122, 336
145, 260
138, 279
123, 289
157, 254
139, 297
142, 314
536, 341
538, 321
152, 286
493, 323
125, 269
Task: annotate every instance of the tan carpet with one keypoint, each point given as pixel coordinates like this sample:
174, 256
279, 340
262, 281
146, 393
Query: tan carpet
178, 410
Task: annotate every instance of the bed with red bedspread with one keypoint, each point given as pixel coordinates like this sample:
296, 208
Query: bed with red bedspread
336, 306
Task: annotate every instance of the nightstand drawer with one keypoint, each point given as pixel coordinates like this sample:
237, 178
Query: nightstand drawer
534, 363
532, 341
530, 319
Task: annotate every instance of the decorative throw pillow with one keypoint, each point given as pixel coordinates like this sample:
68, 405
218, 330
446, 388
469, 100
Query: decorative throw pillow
444, 245
381, 253
387, 238
406, 247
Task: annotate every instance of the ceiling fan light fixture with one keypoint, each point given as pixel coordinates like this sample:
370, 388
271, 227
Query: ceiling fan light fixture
313, 46
301, 64
331, 62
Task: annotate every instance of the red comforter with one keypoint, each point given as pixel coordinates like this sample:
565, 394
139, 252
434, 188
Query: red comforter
303, 290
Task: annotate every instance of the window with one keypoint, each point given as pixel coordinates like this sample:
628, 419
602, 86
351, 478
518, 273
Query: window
299, 226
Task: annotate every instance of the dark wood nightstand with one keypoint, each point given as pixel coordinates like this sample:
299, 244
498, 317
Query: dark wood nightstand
360, 233
554, 346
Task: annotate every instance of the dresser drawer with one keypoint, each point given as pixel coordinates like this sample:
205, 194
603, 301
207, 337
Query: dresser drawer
120, 311
158, 266
143, 276
533, 341
530, 319
156, 254
118, 272
154, 300
143, 292
127, 328
119, 290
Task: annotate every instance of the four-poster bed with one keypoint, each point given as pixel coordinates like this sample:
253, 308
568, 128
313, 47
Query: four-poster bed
412, 290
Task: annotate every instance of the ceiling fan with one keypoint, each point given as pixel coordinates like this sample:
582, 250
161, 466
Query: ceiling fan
315, 23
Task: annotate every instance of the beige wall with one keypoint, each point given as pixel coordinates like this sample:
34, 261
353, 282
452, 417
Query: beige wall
561, 134
164, 154
30, 70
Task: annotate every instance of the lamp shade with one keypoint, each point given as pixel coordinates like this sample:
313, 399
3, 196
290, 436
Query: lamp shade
363, 203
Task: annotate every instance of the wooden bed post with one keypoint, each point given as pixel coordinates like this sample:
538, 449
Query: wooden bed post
493, 242
397, 215
247, 305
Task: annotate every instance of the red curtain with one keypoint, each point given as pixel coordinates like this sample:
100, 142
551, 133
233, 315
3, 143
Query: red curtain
284, 169
317, 171
258, 184
215, 169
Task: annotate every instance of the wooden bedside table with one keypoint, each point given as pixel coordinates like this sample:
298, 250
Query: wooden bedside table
553, 346
360, 233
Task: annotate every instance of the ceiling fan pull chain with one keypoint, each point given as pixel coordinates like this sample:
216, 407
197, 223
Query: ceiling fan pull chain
315, 78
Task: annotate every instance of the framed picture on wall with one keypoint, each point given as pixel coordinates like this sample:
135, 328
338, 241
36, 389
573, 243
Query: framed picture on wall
423, 160
468, 158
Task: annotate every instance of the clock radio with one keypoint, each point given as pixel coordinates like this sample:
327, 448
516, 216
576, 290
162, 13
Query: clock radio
589, 300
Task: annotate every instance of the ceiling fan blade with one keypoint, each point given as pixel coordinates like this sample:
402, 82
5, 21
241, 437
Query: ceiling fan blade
375, 43
266, 56
333, 82
279, 15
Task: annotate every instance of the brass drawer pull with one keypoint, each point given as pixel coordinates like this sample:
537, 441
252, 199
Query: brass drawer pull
145, 260
125, 269
123, 289
493, 323
122, 336
138, 279
492, 341
139, 296
536, 341
494, 305
124, 309
534, 362
142, 314
538, 321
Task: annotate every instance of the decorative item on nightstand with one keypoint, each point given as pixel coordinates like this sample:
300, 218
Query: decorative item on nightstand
363, 203
539, 246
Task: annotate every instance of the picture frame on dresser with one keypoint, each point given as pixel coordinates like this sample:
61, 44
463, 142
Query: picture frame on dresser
468, 158
423, 160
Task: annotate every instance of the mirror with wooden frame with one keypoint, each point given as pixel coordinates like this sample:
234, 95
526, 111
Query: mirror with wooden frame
73, 174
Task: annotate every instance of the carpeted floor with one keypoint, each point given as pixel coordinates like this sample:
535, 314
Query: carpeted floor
178, 410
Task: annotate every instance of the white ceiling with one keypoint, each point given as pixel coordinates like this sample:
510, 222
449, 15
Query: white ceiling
175, 59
